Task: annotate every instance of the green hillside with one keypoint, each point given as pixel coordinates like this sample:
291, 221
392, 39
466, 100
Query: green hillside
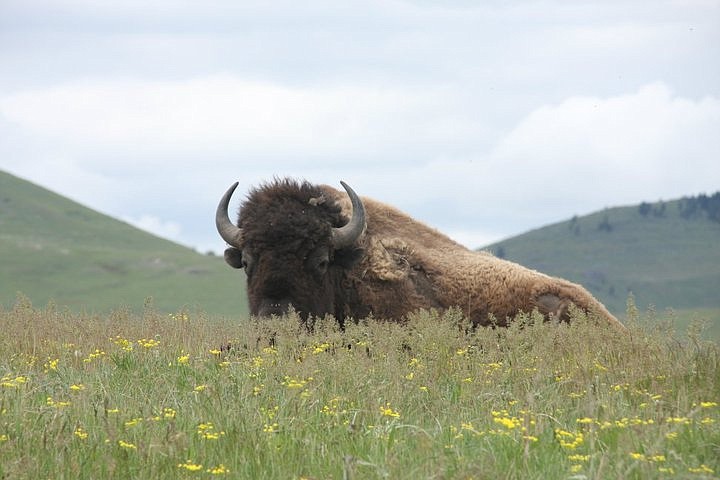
52, 248
667, 254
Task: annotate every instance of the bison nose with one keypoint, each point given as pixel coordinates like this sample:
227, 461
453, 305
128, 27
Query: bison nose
274, 307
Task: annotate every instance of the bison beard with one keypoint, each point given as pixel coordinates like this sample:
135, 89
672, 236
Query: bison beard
321, 251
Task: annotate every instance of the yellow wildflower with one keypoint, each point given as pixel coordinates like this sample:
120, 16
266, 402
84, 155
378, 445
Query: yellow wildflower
9, 382
51, 364
148, 343
295, 383
127, 445
271, 428
208, 432
190, 466
93, 355
123, 343
702, 469
320, 348
387, 411
508, 422
133, 422
569, 440
219, 470
52, 403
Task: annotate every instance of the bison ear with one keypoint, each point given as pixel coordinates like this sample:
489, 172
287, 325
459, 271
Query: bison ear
347, 257
233, 257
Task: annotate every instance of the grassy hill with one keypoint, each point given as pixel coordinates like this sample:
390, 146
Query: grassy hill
667, 254
54, 248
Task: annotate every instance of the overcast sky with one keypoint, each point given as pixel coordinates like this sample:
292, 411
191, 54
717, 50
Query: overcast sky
482, 119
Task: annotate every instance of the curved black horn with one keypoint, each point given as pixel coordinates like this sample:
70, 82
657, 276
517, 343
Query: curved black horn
227, 230
347, 235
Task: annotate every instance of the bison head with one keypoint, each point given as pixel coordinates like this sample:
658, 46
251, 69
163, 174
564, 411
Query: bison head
295, 246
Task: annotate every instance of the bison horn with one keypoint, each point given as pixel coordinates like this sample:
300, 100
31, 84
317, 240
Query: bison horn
348, 234
227, 230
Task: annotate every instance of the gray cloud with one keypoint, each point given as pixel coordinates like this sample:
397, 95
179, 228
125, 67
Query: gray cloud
484, 121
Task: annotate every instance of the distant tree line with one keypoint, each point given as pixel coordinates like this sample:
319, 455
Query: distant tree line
709, 205
689, 207
654, 209
605, 225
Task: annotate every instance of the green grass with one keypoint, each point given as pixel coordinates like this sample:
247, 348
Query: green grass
709, 318
53, 249
665, 262
150, 395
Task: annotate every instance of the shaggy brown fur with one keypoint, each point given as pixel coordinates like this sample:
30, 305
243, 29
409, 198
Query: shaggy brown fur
405, 259
398, 264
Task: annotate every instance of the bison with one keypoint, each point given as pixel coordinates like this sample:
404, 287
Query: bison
318, 251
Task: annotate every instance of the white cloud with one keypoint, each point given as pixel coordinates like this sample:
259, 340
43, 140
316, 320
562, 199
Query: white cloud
632, 147
162, 228
232, 115
574, 157
419, 152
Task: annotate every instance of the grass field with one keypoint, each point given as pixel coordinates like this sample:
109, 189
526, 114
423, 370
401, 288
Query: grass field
155, 396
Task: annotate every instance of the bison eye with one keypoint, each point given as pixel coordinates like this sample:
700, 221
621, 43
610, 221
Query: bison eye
248, 262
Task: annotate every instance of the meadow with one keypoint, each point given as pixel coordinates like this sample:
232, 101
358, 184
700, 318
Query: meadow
187, 395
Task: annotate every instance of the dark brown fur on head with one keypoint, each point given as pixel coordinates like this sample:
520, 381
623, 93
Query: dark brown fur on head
287, 250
